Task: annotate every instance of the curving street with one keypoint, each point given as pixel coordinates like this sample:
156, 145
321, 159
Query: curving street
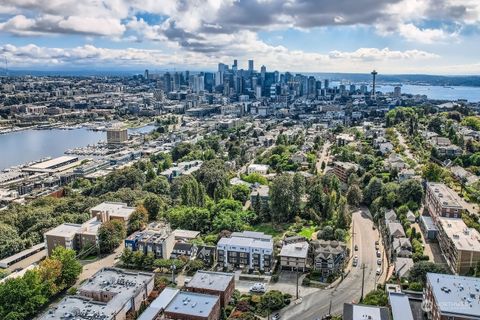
317, 304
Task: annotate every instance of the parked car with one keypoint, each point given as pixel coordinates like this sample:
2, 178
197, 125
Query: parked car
379, 254
258, 287
356, 247
379, 262
378, 271
276, 316
355, 261
377, 243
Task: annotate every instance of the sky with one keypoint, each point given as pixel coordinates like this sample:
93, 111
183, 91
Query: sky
355, 36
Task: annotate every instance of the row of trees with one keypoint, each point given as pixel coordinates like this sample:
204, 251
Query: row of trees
21, 298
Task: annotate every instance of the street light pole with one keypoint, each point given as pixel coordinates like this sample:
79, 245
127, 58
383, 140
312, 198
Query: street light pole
297, 281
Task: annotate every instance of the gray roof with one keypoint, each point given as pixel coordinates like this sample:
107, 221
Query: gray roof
400, 306
455, 295
396, 229
218, 281
159, 304
403, 266
193, 304
295, 250
358, 312
428, 223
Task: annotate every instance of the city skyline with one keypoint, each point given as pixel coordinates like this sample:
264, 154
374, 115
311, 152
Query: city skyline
394, 37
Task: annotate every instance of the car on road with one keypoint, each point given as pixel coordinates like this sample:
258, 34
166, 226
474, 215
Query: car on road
356, 247
378, 271
377, 243
379, 254
258, 287
276, 316
355, 261
379, 262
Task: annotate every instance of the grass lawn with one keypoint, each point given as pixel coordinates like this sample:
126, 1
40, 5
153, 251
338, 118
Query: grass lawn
307, 232
267, 228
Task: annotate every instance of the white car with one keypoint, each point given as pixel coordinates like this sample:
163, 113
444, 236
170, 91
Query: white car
378, 271
258, 287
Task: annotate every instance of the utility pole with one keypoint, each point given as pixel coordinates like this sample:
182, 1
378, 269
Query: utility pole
363, 280
297, 282
353, 236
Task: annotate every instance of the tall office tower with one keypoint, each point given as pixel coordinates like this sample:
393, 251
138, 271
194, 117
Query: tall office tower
258, 92
198, 83
397, 92
326, 84
145, 75
374, 75
250, 66
176, 81
311, 85
235, 65
254, 82
263, 70
219, 78
222, 67
363, 89
277, 76
352, 89
167, 82
187, 77
209, 81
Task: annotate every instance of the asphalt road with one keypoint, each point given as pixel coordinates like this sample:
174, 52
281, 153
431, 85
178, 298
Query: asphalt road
317, 304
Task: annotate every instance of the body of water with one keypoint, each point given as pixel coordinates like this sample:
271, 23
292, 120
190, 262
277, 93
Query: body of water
30, 145
472, 94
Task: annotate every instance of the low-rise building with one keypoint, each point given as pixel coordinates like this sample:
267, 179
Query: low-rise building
157, 239
182, 168
401, 247
215, 283
247, 249
107, 211
293, 256
193, 306
402, 267
460, 245
360, 312
260, 196
73, 236
343, 170
441, 201
400, 305
328, 256
451, 297
110, 294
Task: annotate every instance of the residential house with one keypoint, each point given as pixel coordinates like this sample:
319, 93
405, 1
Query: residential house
328, 256
401, 247
402, 267
184, 249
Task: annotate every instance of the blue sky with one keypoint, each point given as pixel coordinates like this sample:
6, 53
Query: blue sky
392, 36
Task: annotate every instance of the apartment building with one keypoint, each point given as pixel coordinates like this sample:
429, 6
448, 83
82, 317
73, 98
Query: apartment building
343, 170
451, 297
460, 245
441, 201
157, 239
109, 295
293, 256
214, 283
107, 211
328, 256
72, 236
247, 249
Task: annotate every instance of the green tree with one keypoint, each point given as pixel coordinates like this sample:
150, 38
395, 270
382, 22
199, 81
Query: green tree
376, 298
373, 190
71, 268
110, 235
354, 195
272, 300
410, 190
213, 175
240, 192
158, 185
298, 185
282, 198
432, 172
191, 218
138, 220
187, 191
418, 273
153, 204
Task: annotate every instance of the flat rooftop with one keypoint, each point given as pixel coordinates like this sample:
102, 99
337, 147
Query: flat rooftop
54, 163
295, 250
446, 196
66, 230
76, 307
185, 234
400, 306
464, 238
358, 311
114, 208
211, 280
193, 304
456, 295
159, 304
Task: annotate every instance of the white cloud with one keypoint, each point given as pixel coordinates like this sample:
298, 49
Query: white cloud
275, 57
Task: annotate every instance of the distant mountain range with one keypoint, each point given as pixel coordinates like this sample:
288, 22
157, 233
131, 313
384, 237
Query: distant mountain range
435, 80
